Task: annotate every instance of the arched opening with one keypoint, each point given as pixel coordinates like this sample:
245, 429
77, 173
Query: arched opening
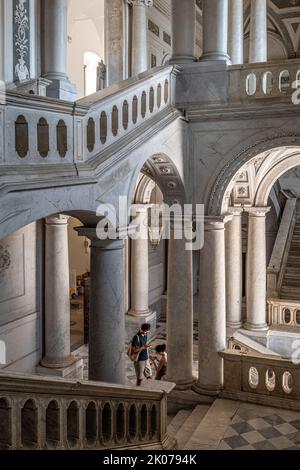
21, 137
92, 80
62, 138
132, 422
143, 104
106, 422
43, 138
134, 109
73, 424
5, 424
153, 428
91, 423
125, 115
144, 421
120, 422
29, 425
103, 127
115, 121
52, 424
90, 134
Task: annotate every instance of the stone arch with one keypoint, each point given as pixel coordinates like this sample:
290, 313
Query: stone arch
225, 174
163, 171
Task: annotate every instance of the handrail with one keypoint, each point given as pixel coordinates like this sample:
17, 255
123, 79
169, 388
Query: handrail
277, 264
46, 413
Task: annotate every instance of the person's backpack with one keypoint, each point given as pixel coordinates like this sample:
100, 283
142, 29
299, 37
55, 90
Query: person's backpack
133, 356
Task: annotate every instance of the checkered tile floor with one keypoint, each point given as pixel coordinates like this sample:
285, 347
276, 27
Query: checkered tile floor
260, 428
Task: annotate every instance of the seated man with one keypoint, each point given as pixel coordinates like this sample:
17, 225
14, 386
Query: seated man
139, 345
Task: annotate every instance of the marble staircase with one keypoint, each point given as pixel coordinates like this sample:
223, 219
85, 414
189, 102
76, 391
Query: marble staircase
290, 289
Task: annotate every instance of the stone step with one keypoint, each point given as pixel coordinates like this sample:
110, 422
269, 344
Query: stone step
178, 421
191, 423
211, 430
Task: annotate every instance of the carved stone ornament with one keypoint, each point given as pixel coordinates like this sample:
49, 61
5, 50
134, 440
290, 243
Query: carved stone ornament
5, 261
146, 3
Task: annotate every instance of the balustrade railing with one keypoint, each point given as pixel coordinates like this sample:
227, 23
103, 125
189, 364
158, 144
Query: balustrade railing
260, 379
42, 413
284, 313
35, 129
265, 81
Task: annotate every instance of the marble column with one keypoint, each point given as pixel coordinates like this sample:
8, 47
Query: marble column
212, 306
215, 30
57, 289
180, 307
256, 270
139, 57
183, 31
236, 31
114, 24
54, 50
107, 316
140, 265
234, 269
258, 32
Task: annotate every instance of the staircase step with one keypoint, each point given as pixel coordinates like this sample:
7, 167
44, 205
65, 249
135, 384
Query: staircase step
191, 423
178, 421
211, 430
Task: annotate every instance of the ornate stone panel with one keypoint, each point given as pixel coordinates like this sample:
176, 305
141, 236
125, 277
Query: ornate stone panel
21, 32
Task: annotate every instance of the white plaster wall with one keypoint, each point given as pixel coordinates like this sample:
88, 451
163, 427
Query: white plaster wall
79, 252
20, 298
157, 46
85, 34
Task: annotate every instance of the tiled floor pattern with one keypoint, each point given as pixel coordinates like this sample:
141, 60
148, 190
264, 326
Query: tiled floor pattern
260, 428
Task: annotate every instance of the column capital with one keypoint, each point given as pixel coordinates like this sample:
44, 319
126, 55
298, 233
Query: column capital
140, 3
235, 211
257, 211
57, 219
109, 243
216, 222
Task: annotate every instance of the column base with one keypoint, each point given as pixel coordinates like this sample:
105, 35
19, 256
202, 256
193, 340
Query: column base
215, 56
133, 323
182, 386
61, 89
207, 390
253, 327
234, 325
182, 59
74, 369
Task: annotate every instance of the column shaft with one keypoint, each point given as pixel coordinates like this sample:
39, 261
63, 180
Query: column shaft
258, 32
234, 267
139, 36
215, 30
57, 302
236, 31
54, 51
212, 306
183, 31
180, 309
114, 41
256, 270
107, 316
140, 265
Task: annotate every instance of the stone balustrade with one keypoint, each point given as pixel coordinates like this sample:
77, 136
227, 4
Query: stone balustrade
261, 379
264, 81
283, 313
39, 130
43, 413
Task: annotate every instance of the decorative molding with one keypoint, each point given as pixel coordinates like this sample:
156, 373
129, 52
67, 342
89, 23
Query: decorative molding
21, 30
154, 28
139, 3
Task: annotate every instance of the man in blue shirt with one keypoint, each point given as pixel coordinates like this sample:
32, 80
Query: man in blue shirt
139, 345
